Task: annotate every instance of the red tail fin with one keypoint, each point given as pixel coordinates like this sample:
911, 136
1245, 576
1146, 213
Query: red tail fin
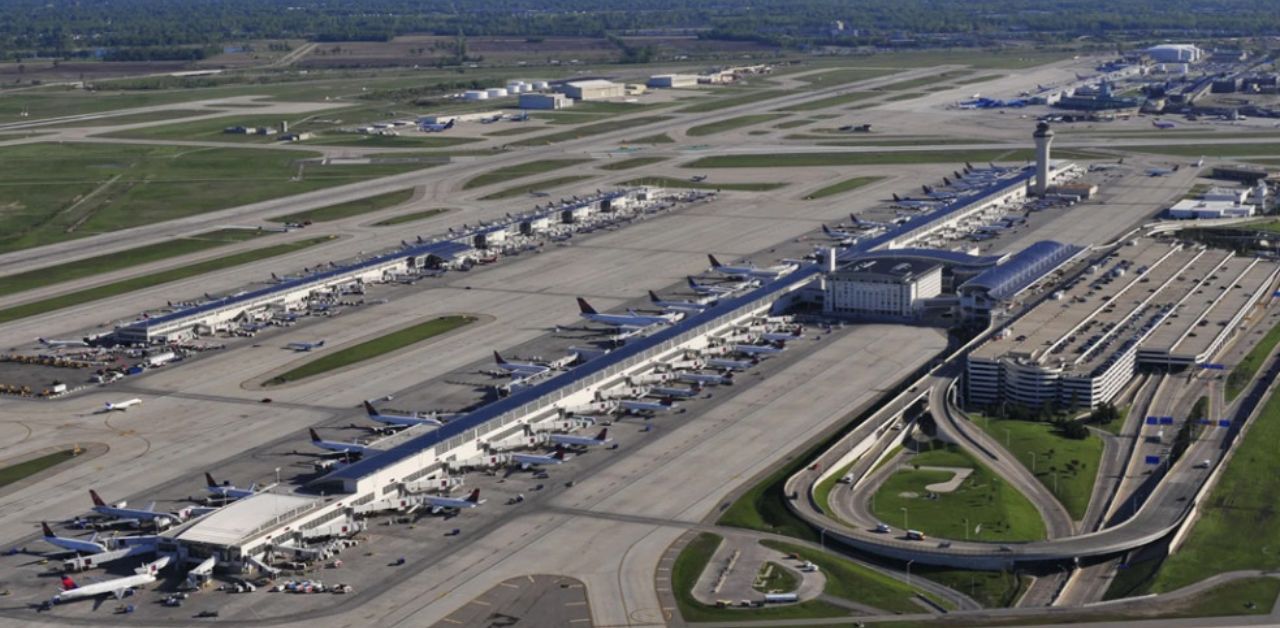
68, 583
97, 501
208, 480
585, 307
47, 530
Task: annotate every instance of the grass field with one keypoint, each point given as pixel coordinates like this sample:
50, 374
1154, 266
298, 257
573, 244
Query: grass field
670, 182
728, 124
413, 140
146, 281
660, 138
1237, 528
535, 186
822, 492
589, 130
410, 217
734, 101
517, 130
348, 209
830, 101
1241, 374
505, 174
370, 349
110, 262
55, 192
925, 81
762, 507
1040, 447
23, 470
848, 185
840, 76
851, 581
131, 118
627, 164
1207, 149
983, 500
809, 160
774, 578
992, 589
791, 124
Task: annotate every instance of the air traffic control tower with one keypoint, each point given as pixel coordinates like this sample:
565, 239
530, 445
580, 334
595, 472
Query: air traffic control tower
1043, 137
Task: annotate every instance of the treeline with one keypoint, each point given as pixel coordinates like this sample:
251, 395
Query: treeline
61, 27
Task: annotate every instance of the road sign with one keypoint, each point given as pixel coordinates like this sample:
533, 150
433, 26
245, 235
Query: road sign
1224, 423
1166, 420
1212, 366
1152, 420
1152, 459
1205, 422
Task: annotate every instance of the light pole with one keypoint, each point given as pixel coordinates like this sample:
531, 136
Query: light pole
966, 528
909, 572
1033, 462
1006, 438
822, 538
904, 519
277, 475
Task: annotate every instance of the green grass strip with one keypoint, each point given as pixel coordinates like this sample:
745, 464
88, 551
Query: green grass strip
809, 160
720, 126
589, 130
502, 175
734, 101
147, 281
671, 182
23, 470
634, 162
1244, 372
847, 185
1042, 449
348, 209
411, 217
110, 262
857, 583
373, 348
830, 101
660, 138
535, 186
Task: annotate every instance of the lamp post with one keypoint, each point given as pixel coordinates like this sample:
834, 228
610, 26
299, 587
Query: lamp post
1033, 462
909, 572
966, 528
904, 519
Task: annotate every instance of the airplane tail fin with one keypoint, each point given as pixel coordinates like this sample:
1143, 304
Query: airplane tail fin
603, 435
692, 284
715, 263
474, 497
47, 530
826, 229
314, 436
653, 297
559, 455
896, 198
368, 408
946, 181
208, 480
97, 501
497, 358
68, 583
585, 307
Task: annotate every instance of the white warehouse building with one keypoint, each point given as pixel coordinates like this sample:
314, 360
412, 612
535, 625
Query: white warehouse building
1175, 53
593, 89
882, 287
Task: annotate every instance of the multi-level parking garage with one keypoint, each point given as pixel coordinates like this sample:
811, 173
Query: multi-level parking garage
1079, 348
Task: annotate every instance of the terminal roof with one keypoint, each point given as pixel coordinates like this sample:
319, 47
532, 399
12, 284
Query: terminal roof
244, 518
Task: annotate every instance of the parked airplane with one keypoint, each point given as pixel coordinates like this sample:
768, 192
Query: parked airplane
936, 195
692, 307
776, 336
340, 447
634, 406
491, 119
226, 490
439, 504
630, 320
520, 117
698, 178
305, 346
672, 392
404, 420
732, 365
143, 575
123, 512
749, 270
437, 128
1163, 124
1160, 172
121, 406
706, 378
58, 344
703, 289
757, 349
91, 546
519, 369
913, 203
843, 237
535, 460
582, 441
865, 225
1199, 163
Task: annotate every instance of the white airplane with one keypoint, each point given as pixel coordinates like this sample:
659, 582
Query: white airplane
226, 490
305, 346
629, 320
706, 378
404, 420
732, 365
757, 349
58, 344
936, 195
1199, 162
91, 546
749, 270
706, 290
582, 441
535, 460
839, 236
520, 117
491, 119
675, 391
866, 225
439, 504
913, 203
1162, 124
519, 369
633, 406
436, 128
783, 337
143, 575
121, 406
692, 307
123, 512
1161, 172
340, 447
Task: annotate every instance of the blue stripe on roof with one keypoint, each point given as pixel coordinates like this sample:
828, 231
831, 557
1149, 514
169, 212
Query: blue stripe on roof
1023, 269
957, 258
484, 414
443, 249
